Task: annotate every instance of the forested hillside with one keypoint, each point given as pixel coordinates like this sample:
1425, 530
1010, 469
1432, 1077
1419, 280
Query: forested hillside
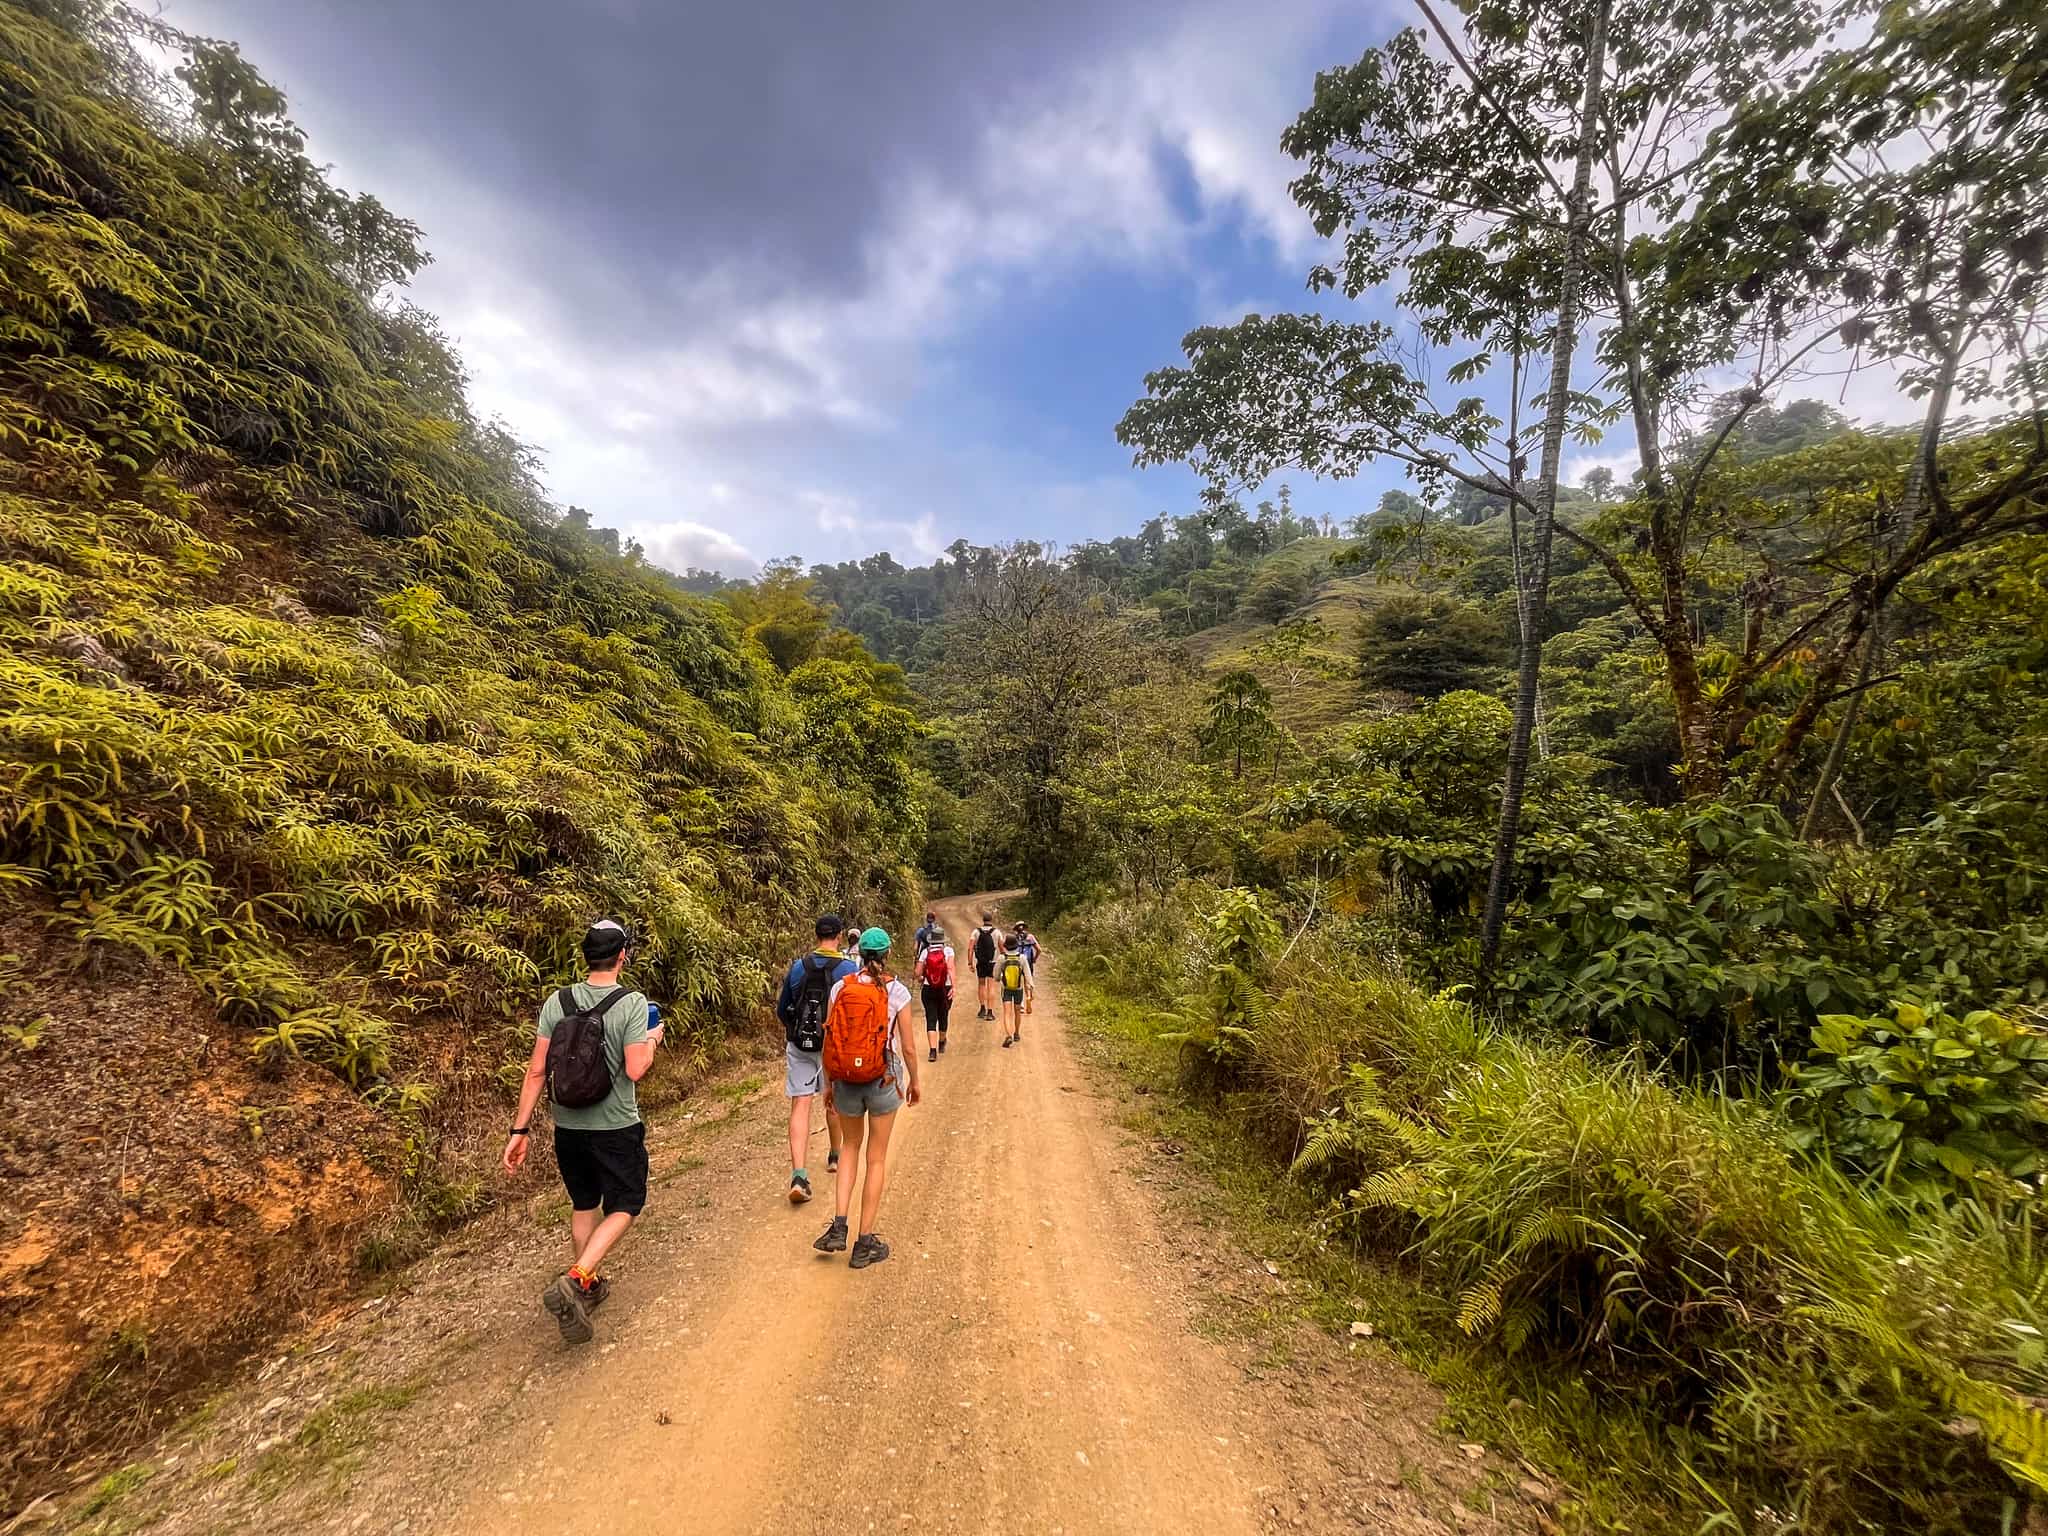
322, 737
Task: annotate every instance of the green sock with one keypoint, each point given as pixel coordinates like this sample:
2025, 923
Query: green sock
801, 1173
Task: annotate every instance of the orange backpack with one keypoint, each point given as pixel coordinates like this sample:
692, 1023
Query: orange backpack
857, 1033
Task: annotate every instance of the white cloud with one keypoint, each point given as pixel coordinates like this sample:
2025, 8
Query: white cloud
1576, 467
676, 546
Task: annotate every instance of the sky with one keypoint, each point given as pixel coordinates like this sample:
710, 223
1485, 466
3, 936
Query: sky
822, 278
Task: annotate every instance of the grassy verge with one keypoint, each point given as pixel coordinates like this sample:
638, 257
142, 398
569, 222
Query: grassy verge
1619, 1473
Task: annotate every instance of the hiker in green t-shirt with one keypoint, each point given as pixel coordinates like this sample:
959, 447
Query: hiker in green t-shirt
590, 1075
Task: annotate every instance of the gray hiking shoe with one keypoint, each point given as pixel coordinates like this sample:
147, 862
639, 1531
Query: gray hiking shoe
833, 1240
868, 1249
570, 1307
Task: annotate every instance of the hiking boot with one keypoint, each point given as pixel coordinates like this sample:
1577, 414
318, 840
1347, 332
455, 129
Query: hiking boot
868, 1249
600, 1288
932, 1054
832, 1161
1008, 1042
799, 1189
942, 1045
834, 1238
569, 1304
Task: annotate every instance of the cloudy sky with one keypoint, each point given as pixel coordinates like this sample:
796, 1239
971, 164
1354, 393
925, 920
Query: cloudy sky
823, 277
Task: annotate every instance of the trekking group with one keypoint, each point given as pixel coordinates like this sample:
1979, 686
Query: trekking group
845, 1018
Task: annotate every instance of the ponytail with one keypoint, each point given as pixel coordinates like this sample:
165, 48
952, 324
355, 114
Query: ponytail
875, 966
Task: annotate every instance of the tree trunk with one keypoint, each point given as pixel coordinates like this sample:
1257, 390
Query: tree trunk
1904, 518
1563, 344
1701, 766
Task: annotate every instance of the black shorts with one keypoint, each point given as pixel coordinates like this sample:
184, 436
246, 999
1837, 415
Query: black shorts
984, 969
604, 1167
938, 1008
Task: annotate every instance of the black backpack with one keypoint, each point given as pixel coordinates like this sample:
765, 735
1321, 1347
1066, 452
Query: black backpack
807, 1031
984, 946
579, 1074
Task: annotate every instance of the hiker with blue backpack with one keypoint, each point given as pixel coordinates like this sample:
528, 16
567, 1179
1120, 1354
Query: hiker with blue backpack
805, 998
872, 1075
592, 1046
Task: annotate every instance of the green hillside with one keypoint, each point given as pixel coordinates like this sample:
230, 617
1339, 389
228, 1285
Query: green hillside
322, 734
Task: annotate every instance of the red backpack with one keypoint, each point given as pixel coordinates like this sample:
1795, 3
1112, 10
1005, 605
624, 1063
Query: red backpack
857, 1033
938, 970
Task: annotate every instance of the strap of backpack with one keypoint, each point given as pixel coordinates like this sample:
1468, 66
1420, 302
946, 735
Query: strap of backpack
565, 999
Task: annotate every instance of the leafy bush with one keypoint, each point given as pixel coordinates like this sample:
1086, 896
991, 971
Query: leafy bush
1807, 1344
1216, 1031
1927, 1101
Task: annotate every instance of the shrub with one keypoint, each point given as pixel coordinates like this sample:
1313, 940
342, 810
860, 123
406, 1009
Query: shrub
1664, 1244
1807, 1344
1927, 1101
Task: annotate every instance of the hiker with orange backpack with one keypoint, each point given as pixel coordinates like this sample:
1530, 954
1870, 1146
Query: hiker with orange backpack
592, 1046
934, 974
871, 1076
801, 1006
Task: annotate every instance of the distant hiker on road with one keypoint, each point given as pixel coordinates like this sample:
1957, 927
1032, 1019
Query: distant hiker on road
984, 942
1014, 972
592, 1046
802, 1004
934, 974
928, 933
872, 1077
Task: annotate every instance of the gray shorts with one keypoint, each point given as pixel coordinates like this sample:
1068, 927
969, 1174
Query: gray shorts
877, 1098
803, 1072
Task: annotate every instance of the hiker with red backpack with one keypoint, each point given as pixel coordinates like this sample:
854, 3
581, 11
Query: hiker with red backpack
592, 1046
805, 997
872, 1076
934, 974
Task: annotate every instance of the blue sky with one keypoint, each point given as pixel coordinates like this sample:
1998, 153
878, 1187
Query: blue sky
757, 285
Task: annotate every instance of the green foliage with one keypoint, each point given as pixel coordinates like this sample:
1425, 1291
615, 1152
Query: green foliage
1798, 1343
1928, 1102
1430, 646
305, 689
1242, 944
1240, 722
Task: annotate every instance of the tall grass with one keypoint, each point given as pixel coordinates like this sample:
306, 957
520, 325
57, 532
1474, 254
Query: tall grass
1824, 1360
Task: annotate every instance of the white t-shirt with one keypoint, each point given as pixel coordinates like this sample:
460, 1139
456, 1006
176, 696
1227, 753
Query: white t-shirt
938, 949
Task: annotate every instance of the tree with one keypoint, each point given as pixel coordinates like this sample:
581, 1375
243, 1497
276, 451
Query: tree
1598, 483
1034, 658
1240, 720
1281, 586
1429, 646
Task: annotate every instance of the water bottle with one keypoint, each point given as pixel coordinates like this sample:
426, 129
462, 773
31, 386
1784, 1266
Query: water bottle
653, 1017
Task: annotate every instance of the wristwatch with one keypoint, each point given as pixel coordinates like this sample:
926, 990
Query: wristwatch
520, 1130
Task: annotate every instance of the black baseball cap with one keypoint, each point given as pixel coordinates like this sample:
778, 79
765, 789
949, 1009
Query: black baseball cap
605, 940
830, 926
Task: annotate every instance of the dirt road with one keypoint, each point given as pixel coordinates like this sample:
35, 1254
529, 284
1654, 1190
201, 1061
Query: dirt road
1023, 1362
